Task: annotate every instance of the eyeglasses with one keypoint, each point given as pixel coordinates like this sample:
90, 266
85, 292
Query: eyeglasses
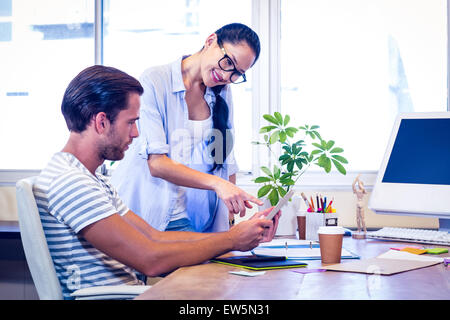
226, 64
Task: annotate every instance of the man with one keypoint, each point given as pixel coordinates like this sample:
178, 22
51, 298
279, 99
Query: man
94, 239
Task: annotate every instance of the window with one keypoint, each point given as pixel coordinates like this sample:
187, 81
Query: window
347, 65
140, 34
46, 44
350, 66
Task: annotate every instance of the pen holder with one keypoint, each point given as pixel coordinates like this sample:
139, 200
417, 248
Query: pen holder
314, 220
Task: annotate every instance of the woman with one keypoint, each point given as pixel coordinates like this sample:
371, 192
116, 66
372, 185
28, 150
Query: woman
180, 173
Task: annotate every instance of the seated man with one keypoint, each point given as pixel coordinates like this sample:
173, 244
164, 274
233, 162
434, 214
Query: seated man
94, 239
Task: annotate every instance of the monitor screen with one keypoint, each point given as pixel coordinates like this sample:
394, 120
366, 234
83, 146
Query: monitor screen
421, 153
414, 176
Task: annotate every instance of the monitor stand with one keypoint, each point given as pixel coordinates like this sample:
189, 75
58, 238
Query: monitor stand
444, 224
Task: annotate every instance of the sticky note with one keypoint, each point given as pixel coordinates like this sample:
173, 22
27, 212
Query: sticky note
437, 250
403, 247
414, 250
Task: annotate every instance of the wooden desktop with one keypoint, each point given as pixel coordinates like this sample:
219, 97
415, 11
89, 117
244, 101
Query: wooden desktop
211, 281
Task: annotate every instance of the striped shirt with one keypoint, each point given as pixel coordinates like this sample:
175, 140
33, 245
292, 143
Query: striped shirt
70, 198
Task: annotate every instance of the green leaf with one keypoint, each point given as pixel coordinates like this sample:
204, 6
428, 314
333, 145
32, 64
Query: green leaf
274, 137
337, 150
279, 117
287, 182
325, 163
287, 118
264, 190
339, 158
267, 171
290, 166
284, 157
270, 118
273, 197
286, 175
262, 179
282, 136
295, 149
330, 144
267, 129
313, 127
276, 172
291, 131
282, 191
299, 163
318, 146
317, 135
339, 167
287, 149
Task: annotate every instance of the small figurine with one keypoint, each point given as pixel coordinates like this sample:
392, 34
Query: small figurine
360, 191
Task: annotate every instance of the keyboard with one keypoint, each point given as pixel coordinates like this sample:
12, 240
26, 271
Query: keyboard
411, 235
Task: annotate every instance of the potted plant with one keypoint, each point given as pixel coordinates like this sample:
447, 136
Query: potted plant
297, 155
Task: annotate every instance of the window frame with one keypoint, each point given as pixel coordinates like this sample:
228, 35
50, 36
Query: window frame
266, 97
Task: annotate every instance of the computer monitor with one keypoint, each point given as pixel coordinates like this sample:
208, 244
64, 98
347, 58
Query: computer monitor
414, 177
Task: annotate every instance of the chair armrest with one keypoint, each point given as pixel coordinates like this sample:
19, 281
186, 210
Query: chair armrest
120, 292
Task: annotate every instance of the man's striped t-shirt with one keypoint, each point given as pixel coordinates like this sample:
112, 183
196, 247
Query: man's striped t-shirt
70, 198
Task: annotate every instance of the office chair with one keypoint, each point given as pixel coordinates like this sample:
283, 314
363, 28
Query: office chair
40, 261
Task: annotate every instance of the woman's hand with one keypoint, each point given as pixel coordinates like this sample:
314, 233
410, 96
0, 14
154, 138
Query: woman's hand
236, 199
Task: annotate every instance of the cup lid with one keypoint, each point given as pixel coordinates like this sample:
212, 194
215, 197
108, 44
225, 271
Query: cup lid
331, 230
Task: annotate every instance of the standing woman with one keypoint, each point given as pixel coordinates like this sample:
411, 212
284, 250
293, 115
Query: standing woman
180, 173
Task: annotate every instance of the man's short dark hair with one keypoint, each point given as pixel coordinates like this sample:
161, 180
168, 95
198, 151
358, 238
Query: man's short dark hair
97, 89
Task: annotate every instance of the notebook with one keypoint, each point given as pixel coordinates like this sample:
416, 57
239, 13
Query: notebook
256, 262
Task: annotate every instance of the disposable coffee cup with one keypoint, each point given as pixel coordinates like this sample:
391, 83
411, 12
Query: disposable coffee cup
330, 240
301, 225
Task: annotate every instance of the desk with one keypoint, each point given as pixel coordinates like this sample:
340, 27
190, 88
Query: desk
211, 281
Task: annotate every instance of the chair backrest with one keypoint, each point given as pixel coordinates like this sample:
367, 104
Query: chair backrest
34, 243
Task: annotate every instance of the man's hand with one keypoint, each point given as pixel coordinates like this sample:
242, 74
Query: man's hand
269, 233
247, 235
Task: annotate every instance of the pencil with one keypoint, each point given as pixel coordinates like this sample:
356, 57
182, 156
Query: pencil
306, 200
329, 206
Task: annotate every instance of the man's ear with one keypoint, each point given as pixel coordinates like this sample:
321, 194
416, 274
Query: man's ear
101, 122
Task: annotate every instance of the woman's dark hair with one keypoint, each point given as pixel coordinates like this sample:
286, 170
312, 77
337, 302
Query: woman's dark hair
233, 33
97, 89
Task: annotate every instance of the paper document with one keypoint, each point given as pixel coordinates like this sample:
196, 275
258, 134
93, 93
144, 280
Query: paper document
291, 243
296, 249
